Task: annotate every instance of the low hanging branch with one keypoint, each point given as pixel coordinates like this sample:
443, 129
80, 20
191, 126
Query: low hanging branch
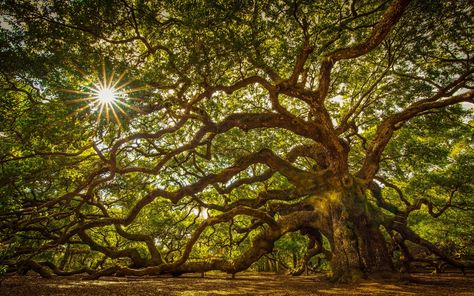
223, 135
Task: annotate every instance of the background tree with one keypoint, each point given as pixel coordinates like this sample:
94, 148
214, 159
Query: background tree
178, 137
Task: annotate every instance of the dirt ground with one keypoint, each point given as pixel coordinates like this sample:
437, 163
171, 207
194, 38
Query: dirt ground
243, 284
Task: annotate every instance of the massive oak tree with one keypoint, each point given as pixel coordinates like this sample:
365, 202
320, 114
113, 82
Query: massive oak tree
216, 129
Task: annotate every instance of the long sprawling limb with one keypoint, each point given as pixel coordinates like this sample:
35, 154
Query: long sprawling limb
389, 125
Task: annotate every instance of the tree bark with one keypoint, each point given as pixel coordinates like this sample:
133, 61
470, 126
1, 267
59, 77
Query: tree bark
358, 247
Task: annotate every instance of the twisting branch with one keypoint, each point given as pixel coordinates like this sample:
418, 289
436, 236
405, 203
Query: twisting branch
390, 124
378, 34
429, 204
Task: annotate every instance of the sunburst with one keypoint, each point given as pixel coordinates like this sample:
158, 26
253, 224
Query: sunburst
108, 97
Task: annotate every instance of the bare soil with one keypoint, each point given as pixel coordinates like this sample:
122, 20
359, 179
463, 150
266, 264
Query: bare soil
244, 284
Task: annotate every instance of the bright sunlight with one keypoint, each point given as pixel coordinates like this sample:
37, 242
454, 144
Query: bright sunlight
106, 95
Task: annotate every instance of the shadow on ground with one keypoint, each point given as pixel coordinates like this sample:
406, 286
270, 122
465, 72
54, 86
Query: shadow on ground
243, 284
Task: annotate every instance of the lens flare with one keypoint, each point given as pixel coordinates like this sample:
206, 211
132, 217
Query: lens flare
108, 97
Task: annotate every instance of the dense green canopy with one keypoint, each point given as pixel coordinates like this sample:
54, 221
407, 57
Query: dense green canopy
150, 137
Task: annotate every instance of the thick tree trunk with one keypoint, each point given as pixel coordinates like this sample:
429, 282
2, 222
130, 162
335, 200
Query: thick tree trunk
357, 244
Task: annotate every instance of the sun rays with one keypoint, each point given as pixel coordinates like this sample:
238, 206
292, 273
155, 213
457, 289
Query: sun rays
107, 96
